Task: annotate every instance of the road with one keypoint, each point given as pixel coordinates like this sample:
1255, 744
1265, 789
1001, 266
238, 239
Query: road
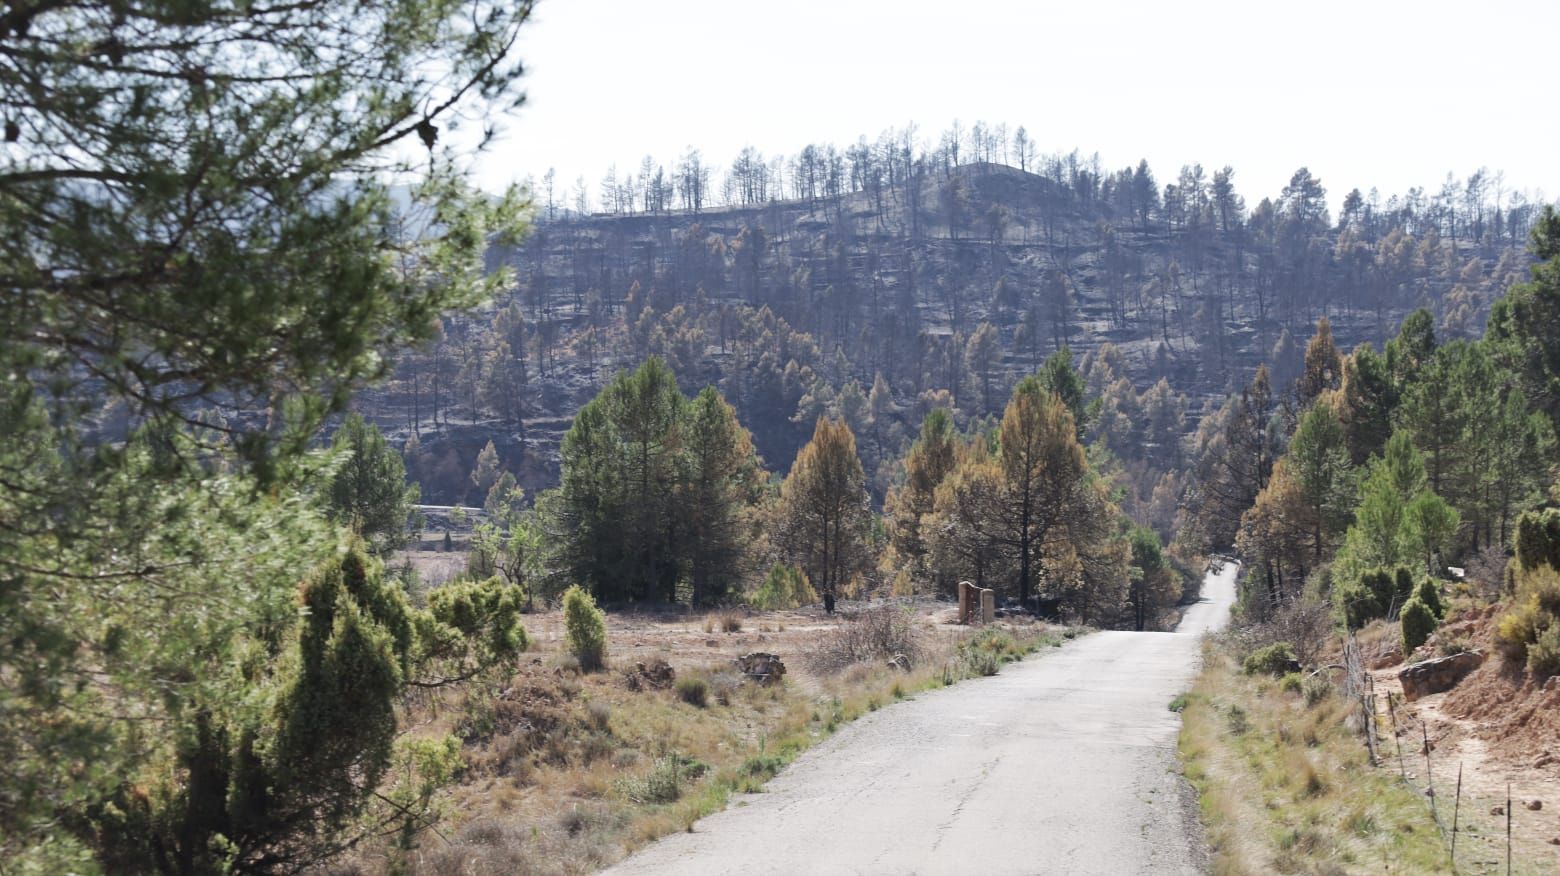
1064, 763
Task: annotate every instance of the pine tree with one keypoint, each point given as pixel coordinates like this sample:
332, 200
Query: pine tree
722, 481
195, 223
1320, 458
369, 490
1524, 326
928, 462
1323, 368
823, 517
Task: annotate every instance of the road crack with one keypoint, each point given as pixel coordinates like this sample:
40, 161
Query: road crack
958, 808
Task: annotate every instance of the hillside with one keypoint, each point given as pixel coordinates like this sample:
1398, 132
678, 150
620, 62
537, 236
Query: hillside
957, 278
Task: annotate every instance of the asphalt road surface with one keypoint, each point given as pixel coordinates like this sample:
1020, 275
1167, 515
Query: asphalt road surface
1064, 763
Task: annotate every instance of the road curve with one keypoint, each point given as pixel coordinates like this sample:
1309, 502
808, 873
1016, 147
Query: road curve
1064, 763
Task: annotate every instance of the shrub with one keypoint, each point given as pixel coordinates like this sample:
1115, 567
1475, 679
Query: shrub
1292, 683
1418, 623
1538, 539
1543, 656
1180, 702
1316, 688
1531, 630
725, 685
1455, 645
1276, 659
585, 629
693, 691
1429, 593
785, 587
1373, 594
980, 663
1357, 603
726, 621
663, 784
600, 716
874, 634
762, 766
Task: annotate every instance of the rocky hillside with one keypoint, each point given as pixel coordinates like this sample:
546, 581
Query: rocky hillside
871, 303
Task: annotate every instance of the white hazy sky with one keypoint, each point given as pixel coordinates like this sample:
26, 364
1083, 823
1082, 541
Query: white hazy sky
1369, 92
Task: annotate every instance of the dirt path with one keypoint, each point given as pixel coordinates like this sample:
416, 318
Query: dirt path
1061, 764
1480, 817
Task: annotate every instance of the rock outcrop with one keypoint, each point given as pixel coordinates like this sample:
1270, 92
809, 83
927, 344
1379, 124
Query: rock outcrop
1433, 676
761, 667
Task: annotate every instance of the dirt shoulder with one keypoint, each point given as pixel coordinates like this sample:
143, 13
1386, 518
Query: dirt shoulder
1500, 728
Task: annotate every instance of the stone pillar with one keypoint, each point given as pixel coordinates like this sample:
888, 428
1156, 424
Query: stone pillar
988, 606
966, 601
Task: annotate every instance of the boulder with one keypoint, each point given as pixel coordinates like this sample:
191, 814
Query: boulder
1442, 673
761, 667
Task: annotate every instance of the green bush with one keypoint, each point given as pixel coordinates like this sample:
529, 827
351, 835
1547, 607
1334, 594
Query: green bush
663, 784
693, 691
585, 629
1356, 601
985, 652
1276, 659
1538, 539
1292, 683
1429, 593
1373, 594
1543, 656
1419, 622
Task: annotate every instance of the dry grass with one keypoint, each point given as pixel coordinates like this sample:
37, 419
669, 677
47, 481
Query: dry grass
1285, 787
727, 620
882, 633
567, 773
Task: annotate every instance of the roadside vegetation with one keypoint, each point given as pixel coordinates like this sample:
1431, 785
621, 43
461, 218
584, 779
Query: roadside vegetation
564, 770
1285, 784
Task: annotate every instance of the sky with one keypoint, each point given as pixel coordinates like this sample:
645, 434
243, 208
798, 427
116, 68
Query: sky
1365, 93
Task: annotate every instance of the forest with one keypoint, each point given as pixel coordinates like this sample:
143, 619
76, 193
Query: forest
254, 313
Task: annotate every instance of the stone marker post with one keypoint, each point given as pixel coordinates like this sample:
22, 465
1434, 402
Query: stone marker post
988, 606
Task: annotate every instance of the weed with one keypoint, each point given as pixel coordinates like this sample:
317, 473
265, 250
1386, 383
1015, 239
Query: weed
1454, 645
1317, 689
1235, 717
1179, 703
762, 767
663, 784
600, 715
693, 690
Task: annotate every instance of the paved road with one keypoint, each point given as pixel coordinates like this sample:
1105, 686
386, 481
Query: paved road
1064, 763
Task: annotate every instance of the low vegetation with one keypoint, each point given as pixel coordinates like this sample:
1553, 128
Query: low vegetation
1285, 786
1530, 631
585, 629
567, 771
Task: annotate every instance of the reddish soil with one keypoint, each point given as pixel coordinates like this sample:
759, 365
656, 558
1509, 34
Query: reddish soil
1501, 728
